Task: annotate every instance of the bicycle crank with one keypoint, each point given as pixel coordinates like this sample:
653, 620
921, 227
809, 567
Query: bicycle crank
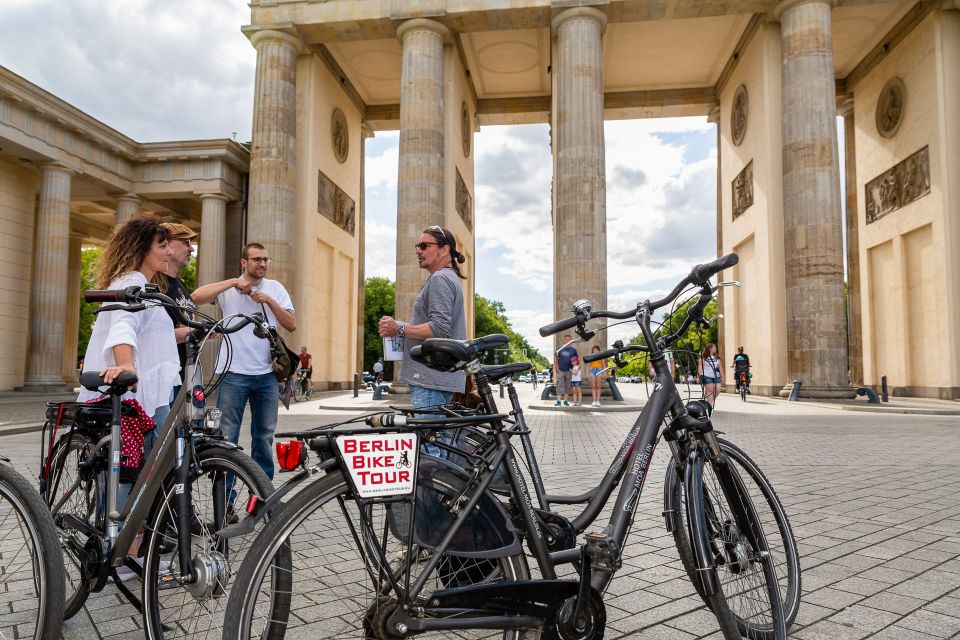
211, 571
589, 625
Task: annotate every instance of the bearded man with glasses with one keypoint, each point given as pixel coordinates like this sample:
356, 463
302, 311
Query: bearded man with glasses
249, 374
438, 312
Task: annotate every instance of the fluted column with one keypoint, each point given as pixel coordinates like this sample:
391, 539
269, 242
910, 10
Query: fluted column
48, 308
854, 321
365, 132
420, 179
579, 206
128, 206
72, 318
272, 155
813, 247
714, 116
233, 238
213, 215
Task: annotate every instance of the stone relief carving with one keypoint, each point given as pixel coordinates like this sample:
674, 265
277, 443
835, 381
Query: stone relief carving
339, 135
743, 190
464, 202
890, 107
466, 129
897, 187
334, 204
738, 115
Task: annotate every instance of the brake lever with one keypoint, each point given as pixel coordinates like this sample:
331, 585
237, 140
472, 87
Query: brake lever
121, 307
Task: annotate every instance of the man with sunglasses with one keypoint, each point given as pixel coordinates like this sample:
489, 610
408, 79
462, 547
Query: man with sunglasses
438, 312
249, 374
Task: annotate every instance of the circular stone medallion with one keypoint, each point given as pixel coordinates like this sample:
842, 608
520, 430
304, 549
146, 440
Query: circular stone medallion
466, 129
339, 135
890, 106
738, 115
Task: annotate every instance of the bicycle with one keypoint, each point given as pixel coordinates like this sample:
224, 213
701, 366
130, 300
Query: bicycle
31, 568
302, 389
192, 483
435, 551
742, 377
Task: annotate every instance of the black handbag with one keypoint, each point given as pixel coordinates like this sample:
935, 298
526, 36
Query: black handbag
283, 359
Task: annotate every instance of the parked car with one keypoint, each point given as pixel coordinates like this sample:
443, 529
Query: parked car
366, 376
524, 378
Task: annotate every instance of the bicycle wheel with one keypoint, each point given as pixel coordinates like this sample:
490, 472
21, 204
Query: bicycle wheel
173, 609
335, 581
307, 392
719, 508
73, 495
743, 393
772, 516
298, 391
31, 569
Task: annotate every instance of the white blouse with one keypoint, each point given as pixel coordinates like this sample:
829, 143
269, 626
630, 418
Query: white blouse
150, 333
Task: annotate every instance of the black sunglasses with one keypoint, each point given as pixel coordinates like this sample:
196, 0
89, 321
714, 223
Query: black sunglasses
422, 246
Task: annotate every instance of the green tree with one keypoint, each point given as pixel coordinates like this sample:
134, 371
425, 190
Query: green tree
189, 274
489, 316
88, 259
379, 300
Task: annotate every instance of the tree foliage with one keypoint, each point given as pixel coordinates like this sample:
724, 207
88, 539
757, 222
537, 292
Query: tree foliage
88, 259
379, 300
686, 350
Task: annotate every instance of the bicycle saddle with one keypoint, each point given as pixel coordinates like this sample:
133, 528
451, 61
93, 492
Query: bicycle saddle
495, 372
93, 381
444, 354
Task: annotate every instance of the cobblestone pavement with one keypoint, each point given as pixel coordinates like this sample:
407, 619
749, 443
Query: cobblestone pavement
874, 501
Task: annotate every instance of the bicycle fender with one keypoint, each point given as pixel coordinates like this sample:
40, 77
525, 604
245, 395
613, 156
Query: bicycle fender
696, 520
669, 506
217, 444
248, 524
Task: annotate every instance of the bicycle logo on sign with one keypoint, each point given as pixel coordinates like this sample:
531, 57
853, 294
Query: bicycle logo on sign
404, 461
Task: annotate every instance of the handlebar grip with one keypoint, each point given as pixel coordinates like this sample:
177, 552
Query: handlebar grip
104, 295
599, 355
703, 272
559, 325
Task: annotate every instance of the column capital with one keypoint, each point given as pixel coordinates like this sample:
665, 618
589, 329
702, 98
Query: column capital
786, 5
424, 24
714, 114
844, 106
213, 196
282, 34
55, 167
365, 130
129, 197
588, 13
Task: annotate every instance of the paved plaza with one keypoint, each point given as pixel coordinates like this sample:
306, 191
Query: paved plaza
874, 499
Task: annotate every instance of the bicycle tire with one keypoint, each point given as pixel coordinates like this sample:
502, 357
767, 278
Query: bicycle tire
74, 493
298, 392
38, 557
344, 602
743, 393
746, 579
163, 616
773, 517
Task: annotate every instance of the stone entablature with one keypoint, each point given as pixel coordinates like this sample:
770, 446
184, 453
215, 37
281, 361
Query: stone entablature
37, 126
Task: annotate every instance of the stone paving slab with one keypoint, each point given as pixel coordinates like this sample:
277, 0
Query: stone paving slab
874, 500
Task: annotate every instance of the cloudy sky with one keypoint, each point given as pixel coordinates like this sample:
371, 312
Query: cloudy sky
181, 69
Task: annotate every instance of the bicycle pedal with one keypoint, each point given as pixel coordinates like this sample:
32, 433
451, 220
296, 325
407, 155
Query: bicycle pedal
604, 551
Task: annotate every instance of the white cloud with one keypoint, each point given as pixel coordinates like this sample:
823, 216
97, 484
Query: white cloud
380, 259
381, 168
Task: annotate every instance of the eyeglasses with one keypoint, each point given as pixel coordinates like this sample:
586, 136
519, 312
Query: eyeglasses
259, 260
422, 246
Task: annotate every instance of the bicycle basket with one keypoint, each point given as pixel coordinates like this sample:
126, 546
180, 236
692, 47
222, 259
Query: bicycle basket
487, 532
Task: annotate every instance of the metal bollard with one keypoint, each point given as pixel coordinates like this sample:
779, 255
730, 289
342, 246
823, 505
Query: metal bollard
795, 392
356, 384
501, 389
613, 389
883, 389
378, 391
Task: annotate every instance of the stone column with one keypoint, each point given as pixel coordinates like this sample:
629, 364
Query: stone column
365, 133
48, 308
271, 215
210, 261
714, 117
813, 249
233, 239
420, 178
72, 318
854, 322
579, 206
128, 206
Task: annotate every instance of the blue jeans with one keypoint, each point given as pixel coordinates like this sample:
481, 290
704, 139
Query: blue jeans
423, 398
263, 394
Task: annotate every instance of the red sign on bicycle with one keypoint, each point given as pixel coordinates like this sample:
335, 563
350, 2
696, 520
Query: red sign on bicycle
380, 464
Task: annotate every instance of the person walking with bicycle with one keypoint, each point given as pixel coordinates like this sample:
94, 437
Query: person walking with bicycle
438, 312
710, 369
306, 366
248, 374
143, 343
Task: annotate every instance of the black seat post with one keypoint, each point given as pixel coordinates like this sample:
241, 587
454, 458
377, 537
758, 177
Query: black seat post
483, 386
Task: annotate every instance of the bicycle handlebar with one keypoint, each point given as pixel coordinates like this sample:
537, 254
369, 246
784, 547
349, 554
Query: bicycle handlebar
559, 325
135, 296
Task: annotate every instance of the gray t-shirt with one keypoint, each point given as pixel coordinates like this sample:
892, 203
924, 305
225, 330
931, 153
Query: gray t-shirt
440, 304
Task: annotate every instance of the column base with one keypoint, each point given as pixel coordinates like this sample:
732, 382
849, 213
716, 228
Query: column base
821, 392
399, 389
44, 387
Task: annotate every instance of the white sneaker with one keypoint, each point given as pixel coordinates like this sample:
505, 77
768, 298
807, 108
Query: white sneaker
596, 404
